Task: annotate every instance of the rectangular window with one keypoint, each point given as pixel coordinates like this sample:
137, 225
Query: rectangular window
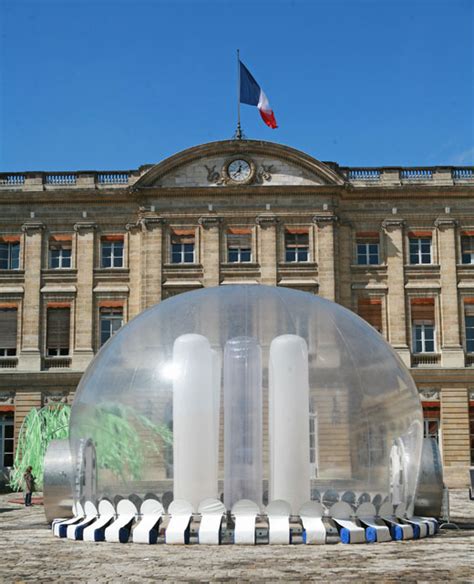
239, 245
368, 248
420, 248
296, 245
9, 255
370, 309
467, 249
470, 333
111, 319
57, 331
112, 251
423, 325
8, 331
471, 430
6, 441
182, 246
60, 252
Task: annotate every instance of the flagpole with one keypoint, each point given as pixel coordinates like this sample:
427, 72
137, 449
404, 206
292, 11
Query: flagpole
238, 132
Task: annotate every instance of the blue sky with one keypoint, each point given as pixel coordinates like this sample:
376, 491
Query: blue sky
113, 84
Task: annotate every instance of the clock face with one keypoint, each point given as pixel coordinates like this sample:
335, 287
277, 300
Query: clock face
239, 170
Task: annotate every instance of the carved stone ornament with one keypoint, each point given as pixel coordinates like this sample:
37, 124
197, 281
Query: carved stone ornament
323, 220
32, 227
266, 220
51, 398
258, 175
392, 224
264, 173
445, 223
7, 398
85, 226
210, 221
429, 394
150, 223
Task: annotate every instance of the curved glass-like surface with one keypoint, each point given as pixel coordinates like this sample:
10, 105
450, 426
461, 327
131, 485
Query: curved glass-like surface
248, 392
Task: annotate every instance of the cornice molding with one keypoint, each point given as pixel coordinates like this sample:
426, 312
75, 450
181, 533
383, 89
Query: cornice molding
323, 220
210, 221
443, 223
389, 225
31, 227
85, 226
266, 220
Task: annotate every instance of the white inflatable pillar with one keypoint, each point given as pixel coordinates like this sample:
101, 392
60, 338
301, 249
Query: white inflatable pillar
289, 421
243, 421
194, 420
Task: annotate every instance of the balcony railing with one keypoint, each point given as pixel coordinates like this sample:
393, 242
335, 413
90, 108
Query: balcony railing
8, 362
365, 174
60, 179
112, 178
425, 359
416, 174
12, 179
462, 173
56, 363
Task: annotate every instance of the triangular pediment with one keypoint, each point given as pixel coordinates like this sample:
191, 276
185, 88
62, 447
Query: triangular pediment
269, 164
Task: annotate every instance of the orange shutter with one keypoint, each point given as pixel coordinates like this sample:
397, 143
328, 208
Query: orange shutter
58, 305
467, 233
183, 235
370, 309
117, 237
66, 237
297, 230
8, 304
420, 234
422, 309
10, 238
111, 304
367, 235
239, 231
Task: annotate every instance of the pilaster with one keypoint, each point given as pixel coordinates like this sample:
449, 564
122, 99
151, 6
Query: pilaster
397, 325
326, 256
452, 354
267, 247
210, 255
455, 435
152, 264
30, 354
135, 268
343, 290
84, 309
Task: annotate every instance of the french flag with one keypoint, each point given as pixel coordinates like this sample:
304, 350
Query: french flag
252, 94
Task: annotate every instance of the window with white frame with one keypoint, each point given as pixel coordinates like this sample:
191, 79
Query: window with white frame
182, 246
469, 328
420, 250
368, 249
9, 255
467, 249
423, 337
112, 252
239, 246
111, 319
60, 254
431, 428
8, 330
296, 245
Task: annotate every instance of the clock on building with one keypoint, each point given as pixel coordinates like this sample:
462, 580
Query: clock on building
240, 171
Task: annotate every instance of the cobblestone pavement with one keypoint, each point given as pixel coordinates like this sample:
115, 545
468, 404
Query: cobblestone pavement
29, 553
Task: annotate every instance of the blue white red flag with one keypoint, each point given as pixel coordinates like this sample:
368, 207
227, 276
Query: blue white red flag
252, 94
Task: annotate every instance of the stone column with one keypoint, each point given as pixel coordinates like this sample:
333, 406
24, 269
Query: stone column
210, 249
452, 352
30, 354
267, 247
455, 435
397, 325
152, 260
343, 286
83, 350
326, 256
135, 268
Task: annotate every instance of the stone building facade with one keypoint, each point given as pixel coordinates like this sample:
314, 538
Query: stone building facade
83, 252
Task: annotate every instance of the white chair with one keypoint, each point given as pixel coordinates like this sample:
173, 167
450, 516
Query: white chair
119, 530
147, 530
177, 531
212, 513
76, 530
314, 530
375, 529
349, 531
95, 531
60, 526
278, 513
245, 513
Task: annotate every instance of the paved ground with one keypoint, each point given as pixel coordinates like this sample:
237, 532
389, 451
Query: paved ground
29, 553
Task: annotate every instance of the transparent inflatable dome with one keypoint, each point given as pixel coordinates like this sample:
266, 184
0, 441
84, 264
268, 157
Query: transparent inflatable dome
248, 392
